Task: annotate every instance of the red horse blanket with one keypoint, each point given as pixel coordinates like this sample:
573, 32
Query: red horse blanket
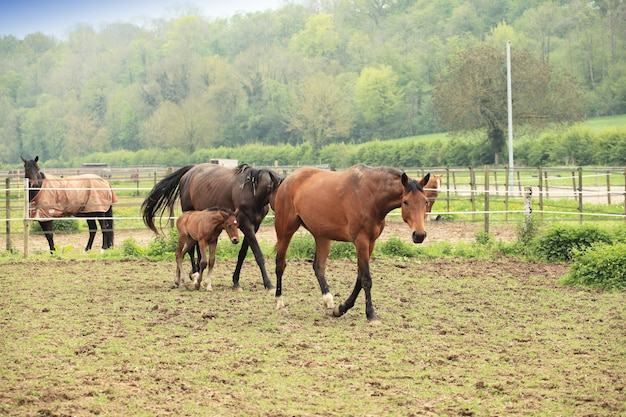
69, 196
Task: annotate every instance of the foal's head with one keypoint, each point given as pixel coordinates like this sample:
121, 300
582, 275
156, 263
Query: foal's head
414, 204
230, 224
31, 170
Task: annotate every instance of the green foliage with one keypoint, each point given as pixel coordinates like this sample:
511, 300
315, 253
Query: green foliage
484, 238
163, 244
130, 249
601, 266
185, 92
394, 246
302, 246
342, 250
559, 242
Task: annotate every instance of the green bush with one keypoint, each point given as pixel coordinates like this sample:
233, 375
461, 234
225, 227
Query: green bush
394, 246
302, 246
130, 249
600, 266
342, 250
163, 244
559, 242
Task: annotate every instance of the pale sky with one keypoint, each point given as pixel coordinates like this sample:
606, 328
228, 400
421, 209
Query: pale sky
22, 17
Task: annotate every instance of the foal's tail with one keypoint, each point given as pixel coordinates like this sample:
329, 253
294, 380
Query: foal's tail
162, 196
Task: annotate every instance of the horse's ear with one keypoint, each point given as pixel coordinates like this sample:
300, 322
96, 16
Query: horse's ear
36, 159
424, 180
23, 160
405, 179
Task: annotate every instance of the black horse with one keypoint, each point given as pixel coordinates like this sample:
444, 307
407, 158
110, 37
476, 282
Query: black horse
85, 195
202, 186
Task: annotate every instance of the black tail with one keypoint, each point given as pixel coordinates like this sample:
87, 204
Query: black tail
162, 196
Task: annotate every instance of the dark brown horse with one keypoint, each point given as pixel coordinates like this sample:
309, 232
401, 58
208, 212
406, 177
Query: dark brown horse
85, 195
203, 228
207, 185
348, 206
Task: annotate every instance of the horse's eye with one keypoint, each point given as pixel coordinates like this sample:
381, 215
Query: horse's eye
405, 202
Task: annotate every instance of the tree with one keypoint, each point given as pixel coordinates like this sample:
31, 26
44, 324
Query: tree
377, 95
322, 111
472, 94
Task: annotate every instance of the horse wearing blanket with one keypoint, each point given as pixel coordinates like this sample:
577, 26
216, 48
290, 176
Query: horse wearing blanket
85, 195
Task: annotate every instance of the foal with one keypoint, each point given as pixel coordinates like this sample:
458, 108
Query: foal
203, 227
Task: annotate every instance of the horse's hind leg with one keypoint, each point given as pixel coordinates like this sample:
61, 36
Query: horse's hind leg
92, 233
47, 231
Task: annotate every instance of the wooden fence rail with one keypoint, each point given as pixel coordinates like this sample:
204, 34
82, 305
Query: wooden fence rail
483, 193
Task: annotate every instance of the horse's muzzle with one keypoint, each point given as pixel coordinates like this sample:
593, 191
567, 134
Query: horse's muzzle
419, 237
234, 240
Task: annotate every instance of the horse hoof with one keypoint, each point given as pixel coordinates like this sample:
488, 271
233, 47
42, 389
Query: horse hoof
237, 288
271, 291
375, 322
337, 312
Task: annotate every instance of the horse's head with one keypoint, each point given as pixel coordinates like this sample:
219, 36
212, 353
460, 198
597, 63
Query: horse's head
413, 206
263, 183
231, 225
31, 171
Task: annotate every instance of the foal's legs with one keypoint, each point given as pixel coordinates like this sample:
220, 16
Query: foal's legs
184, 244
211, 263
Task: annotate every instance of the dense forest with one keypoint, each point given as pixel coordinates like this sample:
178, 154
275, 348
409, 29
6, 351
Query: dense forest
311, 75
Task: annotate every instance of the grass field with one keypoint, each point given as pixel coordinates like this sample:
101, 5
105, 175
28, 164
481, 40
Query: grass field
458, 338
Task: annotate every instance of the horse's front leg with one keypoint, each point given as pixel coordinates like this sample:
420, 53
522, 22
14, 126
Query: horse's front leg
322, 249
92, 233
47, 228
250, 239
195, 265
203, 264
243, 251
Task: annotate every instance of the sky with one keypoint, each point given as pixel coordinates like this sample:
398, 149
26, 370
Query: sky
51, 17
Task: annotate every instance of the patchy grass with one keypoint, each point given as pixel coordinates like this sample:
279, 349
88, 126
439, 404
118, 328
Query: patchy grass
459, 337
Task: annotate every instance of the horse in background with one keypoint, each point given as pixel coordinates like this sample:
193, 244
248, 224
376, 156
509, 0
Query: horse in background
347, 206
85, 195
208, 185
431, 189
203, 228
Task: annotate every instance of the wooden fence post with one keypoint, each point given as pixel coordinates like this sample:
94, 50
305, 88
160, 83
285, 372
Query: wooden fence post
507, 189
580, 195
26, 219
541, 193
448, 189
472, 189
528, 209
486, 198
608, 187
8, 211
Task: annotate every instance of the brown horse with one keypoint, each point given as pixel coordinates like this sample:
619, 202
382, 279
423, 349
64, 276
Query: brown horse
432, 191
202, 228
85, 195
207, 185
348, 206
